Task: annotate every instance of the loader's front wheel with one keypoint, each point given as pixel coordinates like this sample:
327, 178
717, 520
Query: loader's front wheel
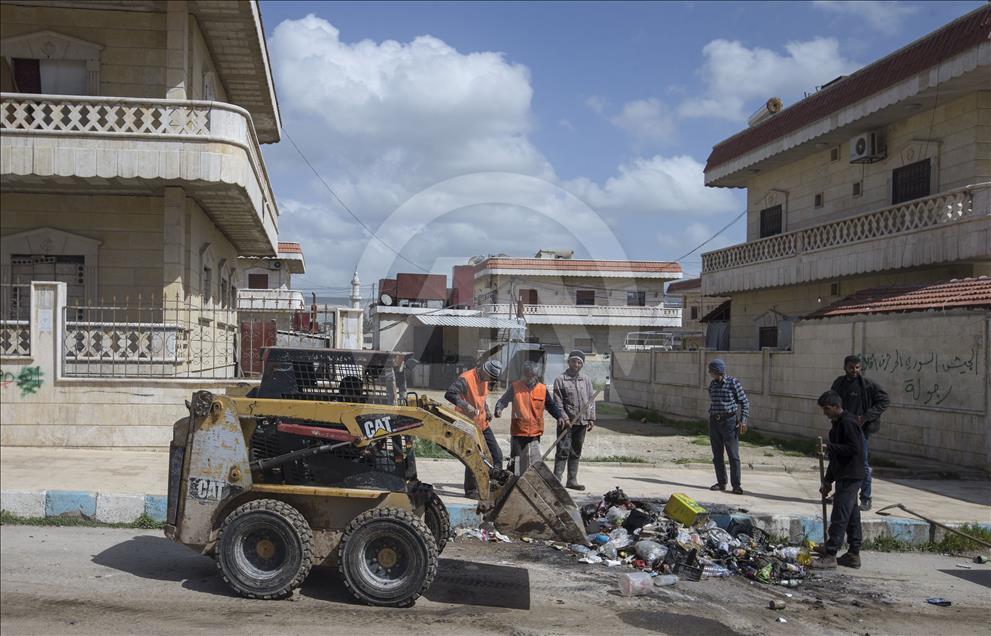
265, 549
387, 557
438, 520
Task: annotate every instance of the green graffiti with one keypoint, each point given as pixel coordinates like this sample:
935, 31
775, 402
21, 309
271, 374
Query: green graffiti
29, 380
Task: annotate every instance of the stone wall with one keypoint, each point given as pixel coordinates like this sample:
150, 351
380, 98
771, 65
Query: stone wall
934, 368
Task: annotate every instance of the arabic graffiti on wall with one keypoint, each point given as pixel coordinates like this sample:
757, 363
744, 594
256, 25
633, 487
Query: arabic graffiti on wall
28, 380
928, 379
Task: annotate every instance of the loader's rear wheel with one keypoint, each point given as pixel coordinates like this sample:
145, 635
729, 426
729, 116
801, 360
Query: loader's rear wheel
265, 549
387, 557
438, 520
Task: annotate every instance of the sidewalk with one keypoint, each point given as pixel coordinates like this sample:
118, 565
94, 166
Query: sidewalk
50, 481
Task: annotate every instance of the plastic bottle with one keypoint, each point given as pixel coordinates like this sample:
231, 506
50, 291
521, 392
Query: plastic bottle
579, 549
635, 584
664, 580
789, 582
715, 570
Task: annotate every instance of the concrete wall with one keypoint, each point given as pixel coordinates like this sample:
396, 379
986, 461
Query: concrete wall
40, 408
800, 300
955, 136
129, 229
934, 368
133, 59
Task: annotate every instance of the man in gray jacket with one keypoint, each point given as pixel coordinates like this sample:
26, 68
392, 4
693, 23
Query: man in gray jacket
573, 392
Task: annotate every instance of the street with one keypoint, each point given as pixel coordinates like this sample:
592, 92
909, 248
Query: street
100, 580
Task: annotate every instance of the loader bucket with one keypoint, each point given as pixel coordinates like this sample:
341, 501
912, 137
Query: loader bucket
535, 505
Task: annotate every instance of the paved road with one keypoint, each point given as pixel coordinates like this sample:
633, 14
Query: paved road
99, 581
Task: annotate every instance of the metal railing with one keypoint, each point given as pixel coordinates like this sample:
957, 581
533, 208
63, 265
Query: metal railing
940, 209
625, 311
15, 325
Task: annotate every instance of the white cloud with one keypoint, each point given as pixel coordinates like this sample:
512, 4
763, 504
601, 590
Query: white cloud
566, 124
738, 79
430, 147
596, 103
885, 17
646, 120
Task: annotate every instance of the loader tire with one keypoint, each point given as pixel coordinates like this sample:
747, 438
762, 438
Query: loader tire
387, 557
438, 521
265, 549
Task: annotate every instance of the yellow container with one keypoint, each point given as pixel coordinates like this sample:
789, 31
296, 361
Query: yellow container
685, 510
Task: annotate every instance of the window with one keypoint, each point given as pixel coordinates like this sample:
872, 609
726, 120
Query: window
257, 281
910, 182
858, 188
528, 296
585, 297
770, 221
207, 289
695, 313
51, 77
834, 289
834, 154
817, 201
767, 337
636, 299
585, 345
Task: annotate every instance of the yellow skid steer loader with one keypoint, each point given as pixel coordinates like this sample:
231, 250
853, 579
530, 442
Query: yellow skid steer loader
316, 466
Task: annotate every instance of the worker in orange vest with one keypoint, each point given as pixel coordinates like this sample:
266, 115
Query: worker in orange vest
529, 399
468, 393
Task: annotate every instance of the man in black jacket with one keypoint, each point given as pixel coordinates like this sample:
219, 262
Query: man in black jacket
866, 401
846, 470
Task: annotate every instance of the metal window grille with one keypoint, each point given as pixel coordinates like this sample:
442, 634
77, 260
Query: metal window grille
770, 221
910, 182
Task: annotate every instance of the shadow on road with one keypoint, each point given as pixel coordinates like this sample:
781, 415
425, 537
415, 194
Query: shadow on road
164, 560
979, 577
457, 582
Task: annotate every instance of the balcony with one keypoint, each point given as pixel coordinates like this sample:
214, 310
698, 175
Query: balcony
609, 315
270, 300
953, 226
117, 145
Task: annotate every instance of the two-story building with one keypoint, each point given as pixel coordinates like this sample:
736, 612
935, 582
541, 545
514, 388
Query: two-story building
132, 177
583, 304
869, 233
880, 178
695, 308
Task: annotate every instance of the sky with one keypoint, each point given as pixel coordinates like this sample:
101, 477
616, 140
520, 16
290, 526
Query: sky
460, 129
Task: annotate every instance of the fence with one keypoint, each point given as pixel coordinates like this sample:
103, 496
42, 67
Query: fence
15, 325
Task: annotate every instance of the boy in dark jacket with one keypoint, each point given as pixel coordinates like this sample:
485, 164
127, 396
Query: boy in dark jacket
866, 401
846, 470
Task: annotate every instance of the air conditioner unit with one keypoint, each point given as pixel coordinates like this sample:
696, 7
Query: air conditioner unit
867, 148
276, 264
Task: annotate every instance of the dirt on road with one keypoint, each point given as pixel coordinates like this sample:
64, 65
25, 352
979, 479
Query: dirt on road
98, 581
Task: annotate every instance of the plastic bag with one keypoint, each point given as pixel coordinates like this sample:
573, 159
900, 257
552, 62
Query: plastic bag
618, 534
651, 551
609, 551
617, 515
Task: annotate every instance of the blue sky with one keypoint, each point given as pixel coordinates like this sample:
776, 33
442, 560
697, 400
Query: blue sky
455, 129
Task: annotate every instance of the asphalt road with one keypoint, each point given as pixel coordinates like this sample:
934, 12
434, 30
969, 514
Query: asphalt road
99, 581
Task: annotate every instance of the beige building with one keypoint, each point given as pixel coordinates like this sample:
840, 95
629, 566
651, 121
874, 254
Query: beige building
695, 307
880, 178
591, 305
132, 178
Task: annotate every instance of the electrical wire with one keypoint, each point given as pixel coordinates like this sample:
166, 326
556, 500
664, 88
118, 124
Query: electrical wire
346, 208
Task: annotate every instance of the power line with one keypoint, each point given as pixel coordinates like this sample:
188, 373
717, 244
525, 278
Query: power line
706, 241
344, 205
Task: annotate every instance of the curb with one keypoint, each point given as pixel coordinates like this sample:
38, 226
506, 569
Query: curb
124, 508
92, 506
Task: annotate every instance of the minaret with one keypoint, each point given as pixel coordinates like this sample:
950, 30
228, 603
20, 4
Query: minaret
355, 292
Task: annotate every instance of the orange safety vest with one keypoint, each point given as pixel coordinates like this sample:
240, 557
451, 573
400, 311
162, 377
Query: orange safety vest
528, 409
478, 390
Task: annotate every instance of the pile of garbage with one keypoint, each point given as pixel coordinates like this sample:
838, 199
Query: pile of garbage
681, 540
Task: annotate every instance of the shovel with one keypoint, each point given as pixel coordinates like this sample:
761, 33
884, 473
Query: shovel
822, 480
535, 504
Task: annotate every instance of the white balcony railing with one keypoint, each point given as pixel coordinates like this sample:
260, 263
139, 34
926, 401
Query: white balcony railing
941, 209
123, 118
586, 311
270, 300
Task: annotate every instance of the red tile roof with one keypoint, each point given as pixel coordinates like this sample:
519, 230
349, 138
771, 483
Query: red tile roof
684, 285
290, 248
568, 264
969, 293
944, 43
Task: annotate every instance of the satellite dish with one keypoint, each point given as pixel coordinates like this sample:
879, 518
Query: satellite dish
386, 299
